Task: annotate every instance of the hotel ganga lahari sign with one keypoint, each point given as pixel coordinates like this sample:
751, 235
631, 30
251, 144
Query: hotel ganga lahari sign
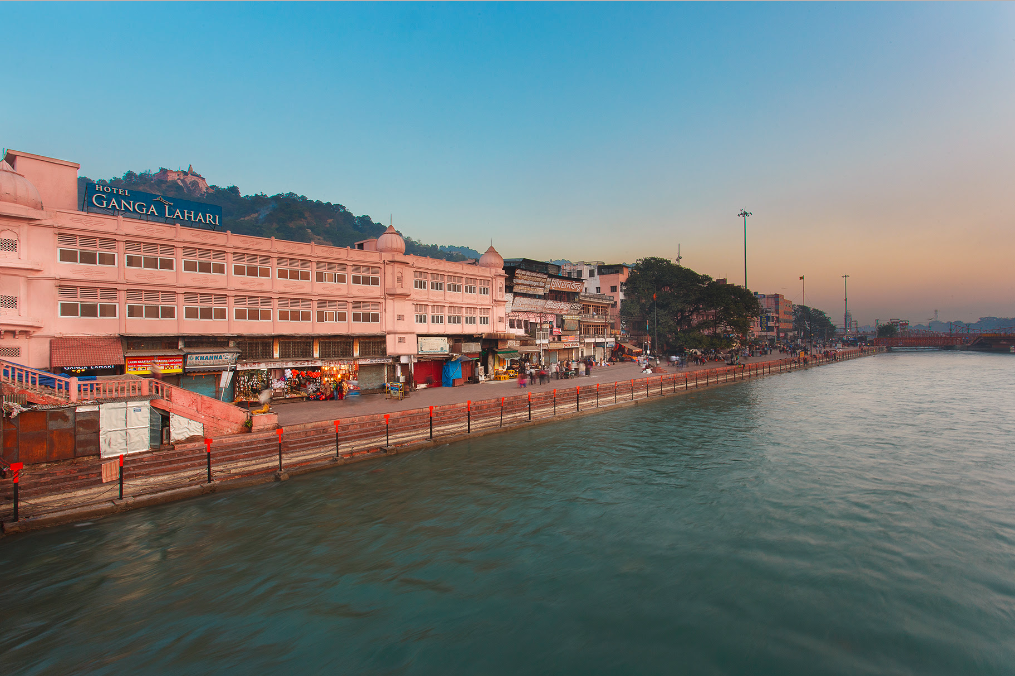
106, 199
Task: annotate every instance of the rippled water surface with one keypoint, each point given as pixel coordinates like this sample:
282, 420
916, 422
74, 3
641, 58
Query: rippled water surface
853, 519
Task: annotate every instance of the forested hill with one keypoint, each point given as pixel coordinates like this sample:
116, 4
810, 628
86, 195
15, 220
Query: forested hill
285, 216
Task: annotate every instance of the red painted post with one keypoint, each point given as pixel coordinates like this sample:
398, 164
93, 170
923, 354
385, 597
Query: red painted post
337, 455
207, 448
16, 480
468, 414
577, 398
614, 391
121, 476
632, 389
387, 428
431, 423
279, 431
502, 411
555, 401
597, 395
530, 406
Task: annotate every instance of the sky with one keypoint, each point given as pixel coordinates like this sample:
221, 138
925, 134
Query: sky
874, 140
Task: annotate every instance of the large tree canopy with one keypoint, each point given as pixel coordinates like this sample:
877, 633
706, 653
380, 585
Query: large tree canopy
812, 324
693, 310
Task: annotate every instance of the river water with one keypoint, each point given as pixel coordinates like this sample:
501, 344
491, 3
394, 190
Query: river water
858, 518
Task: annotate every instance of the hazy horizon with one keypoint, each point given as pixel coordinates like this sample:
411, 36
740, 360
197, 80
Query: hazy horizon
867, 139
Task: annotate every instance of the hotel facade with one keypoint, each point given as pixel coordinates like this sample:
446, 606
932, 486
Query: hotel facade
103, 290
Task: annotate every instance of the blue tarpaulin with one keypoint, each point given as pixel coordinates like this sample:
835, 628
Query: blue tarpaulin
452, 370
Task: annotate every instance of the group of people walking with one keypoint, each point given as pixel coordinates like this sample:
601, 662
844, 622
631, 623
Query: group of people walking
529, 373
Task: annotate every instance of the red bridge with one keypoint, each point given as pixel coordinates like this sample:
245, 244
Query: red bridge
986, 342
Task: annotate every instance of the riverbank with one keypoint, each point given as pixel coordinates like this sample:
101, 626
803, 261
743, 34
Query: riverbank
70, 492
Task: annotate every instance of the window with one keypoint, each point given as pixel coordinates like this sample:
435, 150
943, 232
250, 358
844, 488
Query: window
470, 315
8, 242
86, 250
333, 273
592, 273
400, 318
598, 290
455, 284
335, 348
421, 314
150, 256
204, 261
419, 280
251, 308
436, 282
294, 309
84, 302
293, 268
332, 311
470, 285
484, 316
484, 287
292, 348
250, 265
454, 315
373, 347
366, 276
436, 314
260, 348
204, 306
151, 305
613, 289
8, 305
10, 352
365, 312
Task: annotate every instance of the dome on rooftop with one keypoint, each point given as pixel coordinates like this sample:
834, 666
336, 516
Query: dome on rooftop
491, 259
390, 241
17, 189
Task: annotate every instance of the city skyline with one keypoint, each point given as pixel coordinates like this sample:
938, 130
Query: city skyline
866, 140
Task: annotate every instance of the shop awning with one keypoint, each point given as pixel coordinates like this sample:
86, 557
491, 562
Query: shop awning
82, 352
507, 354
528, 349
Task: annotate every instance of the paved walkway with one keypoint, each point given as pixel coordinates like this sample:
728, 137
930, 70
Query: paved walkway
295, 413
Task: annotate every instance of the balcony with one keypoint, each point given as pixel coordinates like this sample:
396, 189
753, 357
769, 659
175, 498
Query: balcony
596, 318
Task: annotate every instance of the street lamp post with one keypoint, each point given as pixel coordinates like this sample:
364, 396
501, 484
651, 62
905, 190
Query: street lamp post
845, 307
744, 213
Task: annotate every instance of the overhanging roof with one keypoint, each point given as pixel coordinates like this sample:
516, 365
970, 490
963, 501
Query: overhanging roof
81, 351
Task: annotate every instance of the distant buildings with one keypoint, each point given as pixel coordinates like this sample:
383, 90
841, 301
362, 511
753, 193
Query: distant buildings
190, 179
776, 321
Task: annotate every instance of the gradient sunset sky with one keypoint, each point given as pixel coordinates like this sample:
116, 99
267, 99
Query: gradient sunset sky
870, 139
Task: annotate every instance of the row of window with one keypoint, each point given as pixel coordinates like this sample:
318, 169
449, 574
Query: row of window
99, 251
362, 313
434, 314
453, 284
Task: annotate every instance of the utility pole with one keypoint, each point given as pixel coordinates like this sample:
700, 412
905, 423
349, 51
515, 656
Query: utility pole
845, 306
745, 213
655, 345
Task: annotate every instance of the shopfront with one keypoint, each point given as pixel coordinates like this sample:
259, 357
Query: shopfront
566, 349
210, 372
166, 365
432, 352
287, 379
373, 372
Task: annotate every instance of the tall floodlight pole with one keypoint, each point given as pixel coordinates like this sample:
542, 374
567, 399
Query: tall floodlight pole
744, 213
845, 306
803, 304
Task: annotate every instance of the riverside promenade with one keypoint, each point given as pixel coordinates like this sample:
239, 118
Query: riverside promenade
74, 491
295, 413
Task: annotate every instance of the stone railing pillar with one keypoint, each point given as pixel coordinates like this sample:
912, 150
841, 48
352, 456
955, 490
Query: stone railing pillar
72, 389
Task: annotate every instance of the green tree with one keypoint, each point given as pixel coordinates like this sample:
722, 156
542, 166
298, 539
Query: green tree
888, 330
693, 310
812, 324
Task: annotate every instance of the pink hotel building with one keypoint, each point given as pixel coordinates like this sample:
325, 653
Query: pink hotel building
93, 294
